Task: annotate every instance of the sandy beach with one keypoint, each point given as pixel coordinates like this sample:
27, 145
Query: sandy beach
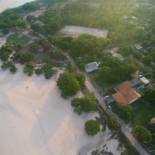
35, 120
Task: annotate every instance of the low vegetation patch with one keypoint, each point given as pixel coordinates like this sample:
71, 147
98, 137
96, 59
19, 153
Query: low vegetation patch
92, 127
69, 84
143, 134
28, 69
87, 103
112, 123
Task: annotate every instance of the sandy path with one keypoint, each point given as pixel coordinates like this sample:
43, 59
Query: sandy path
35, 120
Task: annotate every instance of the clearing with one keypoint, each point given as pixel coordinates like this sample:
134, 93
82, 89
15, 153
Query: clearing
76, 31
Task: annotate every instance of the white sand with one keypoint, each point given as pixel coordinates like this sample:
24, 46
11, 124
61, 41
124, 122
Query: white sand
75, 31
5, 4
35, 120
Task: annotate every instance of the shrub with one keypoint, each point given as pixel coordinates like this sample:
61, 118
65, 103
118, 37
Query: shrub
48, 70
142, 134
125, 112
25, 57
12, 68
68, 84
112, 123
39, 71
84, 104
92, 127
5, 66
81, 79
28, 69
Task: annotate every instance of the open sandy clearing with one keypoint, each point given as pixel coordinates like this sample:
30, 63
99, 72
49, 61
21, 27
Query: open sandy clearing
35, 120
76, 31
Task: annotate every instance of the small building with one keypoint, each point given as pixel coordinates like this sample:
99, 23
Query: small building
90, 67
115, 54
125, 94
144, 80
152, 121
138, 47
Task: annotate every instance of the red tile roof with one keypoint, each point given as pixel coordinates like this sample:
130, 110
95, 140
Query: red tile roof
125, 94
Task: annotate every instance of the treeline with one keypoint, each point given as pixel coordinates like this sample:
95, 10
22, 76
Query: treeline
10, 19
86, 48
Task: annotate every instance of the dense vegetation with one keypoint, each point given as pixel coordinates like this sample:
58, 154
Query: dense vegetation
10, 19
69, 84
87, 103
142, 134
92, 127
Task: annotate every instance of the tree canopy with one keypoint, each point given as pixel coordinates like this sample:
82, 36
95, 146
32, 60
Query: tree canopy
92, 127
142, 134
68, 84
87, 103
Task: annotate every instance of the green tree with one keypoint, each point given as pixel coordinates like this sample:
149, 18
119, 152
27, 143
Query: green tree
48, 70
142, 134
12, 68
5, 51
25, 57
112, 123
87, 103
39, 71
125, 112
92, 127
68, 84
28, 69
149, 95
81, 79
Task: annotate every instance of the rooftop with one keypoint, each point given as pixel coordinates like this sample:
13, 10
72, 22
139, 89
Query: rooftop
152, 120
144, 80
90, 67
125, 94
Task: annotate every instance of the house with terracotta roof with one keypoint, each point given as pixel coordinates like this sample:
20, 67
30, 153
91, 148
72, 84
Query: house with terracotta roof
125, 94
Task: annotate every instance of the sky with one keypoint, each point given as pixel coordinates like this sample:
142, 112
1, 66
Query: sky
4, 4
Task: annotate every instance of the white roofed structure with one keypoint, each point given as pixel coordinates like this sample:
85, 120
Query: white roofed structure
90, 67
144, 80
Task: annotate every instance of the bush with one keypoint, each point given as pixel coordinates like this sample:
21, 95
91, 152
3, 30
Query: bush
13, 68
48, 70
92, 127
39, 71
28, 69
68, 84
5, 51
81, 79
142, 134
10, 66
84, 104
112, 123
125, 112
5, 66
25, 57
